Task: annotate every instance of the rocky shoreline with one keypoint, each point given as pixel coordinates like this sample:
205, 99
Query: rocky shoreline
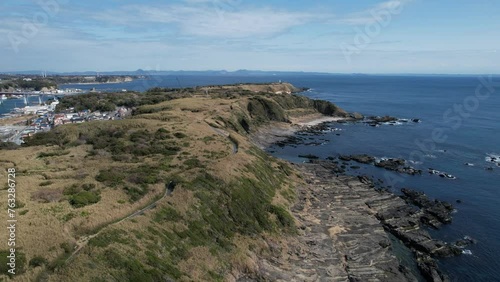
344, 223
343, 218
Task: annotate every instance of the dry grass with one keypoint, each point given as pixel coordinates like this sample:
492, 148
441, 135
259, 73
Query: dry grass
57, 221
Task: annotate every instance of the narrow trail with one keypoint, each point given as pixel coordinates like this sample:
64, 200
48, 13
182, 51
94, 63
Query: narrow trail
227, 135
82, 242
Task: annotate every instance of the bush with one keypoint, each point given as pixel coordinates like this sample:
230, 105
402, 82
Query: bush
53, 137
193, 163
52, 154
8, 146
72, 190
20, 262
37, 261
136, 193
108, 237
88, 186
84, 198
180, 135
143, 174
57, 263
46, 183
167, 214
110, 177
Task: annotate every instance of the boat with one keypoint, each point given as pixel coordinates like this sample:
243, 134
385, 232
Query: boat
4, 97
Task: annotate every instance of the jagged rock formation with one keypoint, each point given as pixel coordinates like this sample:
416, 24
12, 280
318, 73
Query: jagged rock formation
340, 237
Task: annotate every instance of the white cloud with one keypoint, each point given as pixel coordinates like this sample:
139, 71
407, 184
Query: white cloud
210, 20
368, 16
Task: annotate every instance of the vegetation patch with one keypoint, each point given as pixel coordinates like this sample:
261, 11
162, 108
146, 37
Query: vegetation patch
180, 135
8, 146
20, 262
53, 153
136, 193
193, 163
109, 236
46, 183
167, 214
37, 261
262, 109
111, 177
84, 198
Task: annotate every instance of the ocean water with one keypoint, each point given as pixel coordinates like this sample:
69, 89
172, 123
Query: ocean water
459, 125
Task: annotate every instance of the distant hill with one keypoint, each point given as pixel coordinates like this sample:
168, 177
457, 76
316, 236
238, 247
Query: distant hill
169, 72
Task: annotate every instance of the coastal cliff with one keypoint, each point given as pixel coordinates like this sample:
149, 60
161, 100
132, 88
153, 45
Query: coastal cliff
180, 191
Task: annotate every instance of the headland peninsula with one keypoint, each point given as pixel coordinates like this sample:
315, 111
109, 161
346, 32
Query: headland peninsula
181, 190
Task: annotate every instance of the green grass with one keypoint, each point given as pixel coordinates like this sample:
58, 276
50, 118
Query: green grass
53, 153
20, 262
193, 163
167, 214
108, 237
46, 183
37, 261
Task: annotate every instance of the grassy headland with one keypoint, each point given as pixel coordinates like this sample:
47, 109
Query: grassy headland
77, 182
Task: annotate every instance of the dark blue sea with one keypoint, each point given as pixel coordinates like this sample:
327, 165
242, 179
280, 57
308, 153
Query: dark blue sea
460, 123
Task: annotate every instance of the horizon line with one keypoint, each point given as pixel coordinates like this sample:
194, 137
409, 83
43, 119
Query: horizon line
152, 72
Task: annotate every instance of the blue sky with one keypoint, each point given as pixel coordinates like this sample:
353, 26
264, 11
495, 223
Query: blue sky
340, 36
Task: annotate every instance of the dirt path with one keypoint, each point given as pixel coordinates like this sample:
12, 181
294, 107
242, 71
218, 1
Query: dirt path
83, 241
226, 134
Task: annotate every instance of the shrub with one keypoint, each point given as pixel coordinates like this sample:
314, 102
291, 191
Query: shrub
57, 263
53, 154
143, 174
110, 177
88, 186
8, 146
193, 163
167, 214
69, 216
108, 237
20, 262
72, 190
136, 193
180, 135
84, 198
46, 183
53, 137
37, 261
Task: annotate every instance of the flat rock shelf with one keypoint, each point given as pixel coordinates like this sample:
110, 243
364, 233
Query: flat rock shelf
340, 237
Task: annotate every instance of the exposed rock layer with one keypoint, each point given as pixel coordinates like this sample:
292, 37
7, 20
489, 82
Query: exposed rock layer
342, 238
